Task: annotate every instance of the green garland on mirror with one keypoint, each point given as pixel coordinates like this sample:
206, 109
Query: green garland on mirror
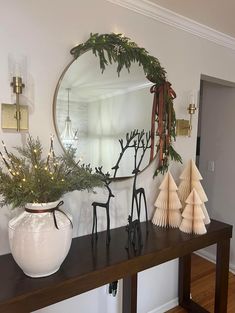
116, 48
119, 49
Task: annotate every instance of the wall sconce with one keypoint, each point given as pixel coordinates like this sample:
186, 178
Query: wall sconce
184, 127
15, 116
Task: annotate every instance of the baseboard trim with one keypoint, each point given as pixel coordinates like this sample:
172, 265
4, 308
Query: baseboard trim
167, 306
212, 258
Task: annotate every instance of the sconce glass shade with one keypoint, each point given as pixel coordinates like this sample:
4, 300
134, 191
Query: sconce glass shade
17, 74
17, 67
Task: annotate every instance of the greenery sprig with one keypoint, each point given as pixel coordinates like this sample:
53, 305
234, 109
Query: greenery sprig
28, 177
116, 48
121, 50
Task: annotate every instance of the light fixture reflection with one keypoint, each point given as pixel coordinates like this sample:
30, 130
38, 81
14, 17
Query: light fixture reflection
68, 136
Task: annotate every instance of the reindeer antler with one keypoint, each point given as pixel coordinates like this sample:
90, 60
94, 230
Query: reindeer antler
105, 177
142, 142
129, 138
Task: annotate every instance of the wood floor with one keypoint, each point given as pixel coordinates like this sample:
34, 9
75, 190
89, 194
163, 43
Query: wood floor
203, 286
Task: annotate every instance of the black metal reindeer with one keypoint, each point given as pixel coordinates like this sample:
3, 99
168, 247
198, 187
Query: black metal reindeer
106, 179
134, 234
141, 143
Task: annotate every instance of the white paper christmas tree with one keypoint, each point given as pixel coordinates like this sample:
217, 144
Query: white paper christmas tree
168, 204
193, 215
190, 178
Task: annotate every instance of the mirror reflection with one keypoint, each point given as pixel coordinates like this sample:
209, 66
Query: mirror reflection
94, 110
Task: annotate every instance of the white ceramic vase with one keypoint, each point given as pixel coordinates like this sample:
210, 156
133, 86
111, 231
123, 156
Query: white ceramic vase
38, 247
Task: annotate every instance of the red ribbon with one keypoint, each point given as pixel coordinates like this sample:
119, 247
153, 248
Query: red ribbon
159, 103
52, 210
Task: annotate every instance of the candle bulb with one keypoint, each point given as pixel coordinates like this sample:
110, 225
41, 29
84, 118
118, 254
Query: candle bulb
192, 103
192, 99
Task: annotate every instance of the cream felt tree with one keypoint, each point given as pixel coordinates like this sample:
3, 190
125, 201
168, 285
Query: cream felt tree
193, 216
167, 204
190, 178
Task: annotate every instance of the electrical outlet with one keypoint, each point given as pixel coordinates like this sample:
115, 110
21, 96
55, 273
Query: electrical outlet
211, 166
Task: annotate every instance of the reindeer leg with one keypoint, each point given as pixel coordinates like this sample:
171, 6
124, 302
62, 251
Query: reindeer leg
140, 237
108, 226
94, 226
128, 238
132, 205
146, 210
137, 206
135, 238
96, 233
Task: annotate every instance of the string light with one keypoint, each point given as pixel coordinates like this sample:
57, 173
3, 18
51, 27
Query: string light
21, 171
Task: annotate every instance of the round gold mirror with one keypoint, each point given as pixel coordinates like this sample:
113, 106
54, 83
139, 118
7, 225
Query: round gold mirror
96, 107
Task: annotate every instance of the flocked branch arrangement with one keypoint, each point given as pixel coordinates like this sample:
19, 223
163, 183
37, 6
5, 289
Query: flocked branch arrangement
28, 177
116, 48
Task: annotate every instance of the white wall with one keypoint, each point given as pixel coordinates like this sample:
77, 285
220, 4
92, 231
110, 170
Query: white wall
45, 31
217, 137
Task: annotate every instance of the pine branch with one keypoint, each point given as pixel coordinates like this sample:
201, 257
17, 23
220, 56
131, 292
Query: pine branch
121, 50
30, 178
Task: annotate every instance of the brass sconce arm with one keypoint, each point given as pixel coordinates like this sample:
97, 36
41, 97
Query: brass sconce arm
191, 110
184, 127
15, 116
17, 86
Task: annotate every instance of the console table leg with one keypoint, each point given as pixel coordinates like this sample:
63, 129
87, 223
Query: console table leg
184, 280
222, 272
129, 300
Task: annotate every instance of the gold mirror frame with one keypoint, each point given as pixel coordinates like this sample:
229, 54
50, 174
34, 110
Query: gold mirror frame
115, 48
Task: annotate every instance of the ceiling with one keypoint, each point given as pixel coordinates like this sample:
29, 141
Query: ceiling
216, 14
87, 83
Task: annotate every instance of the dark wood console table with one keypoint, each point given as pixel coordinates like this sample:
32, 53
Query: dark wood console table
88, 267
